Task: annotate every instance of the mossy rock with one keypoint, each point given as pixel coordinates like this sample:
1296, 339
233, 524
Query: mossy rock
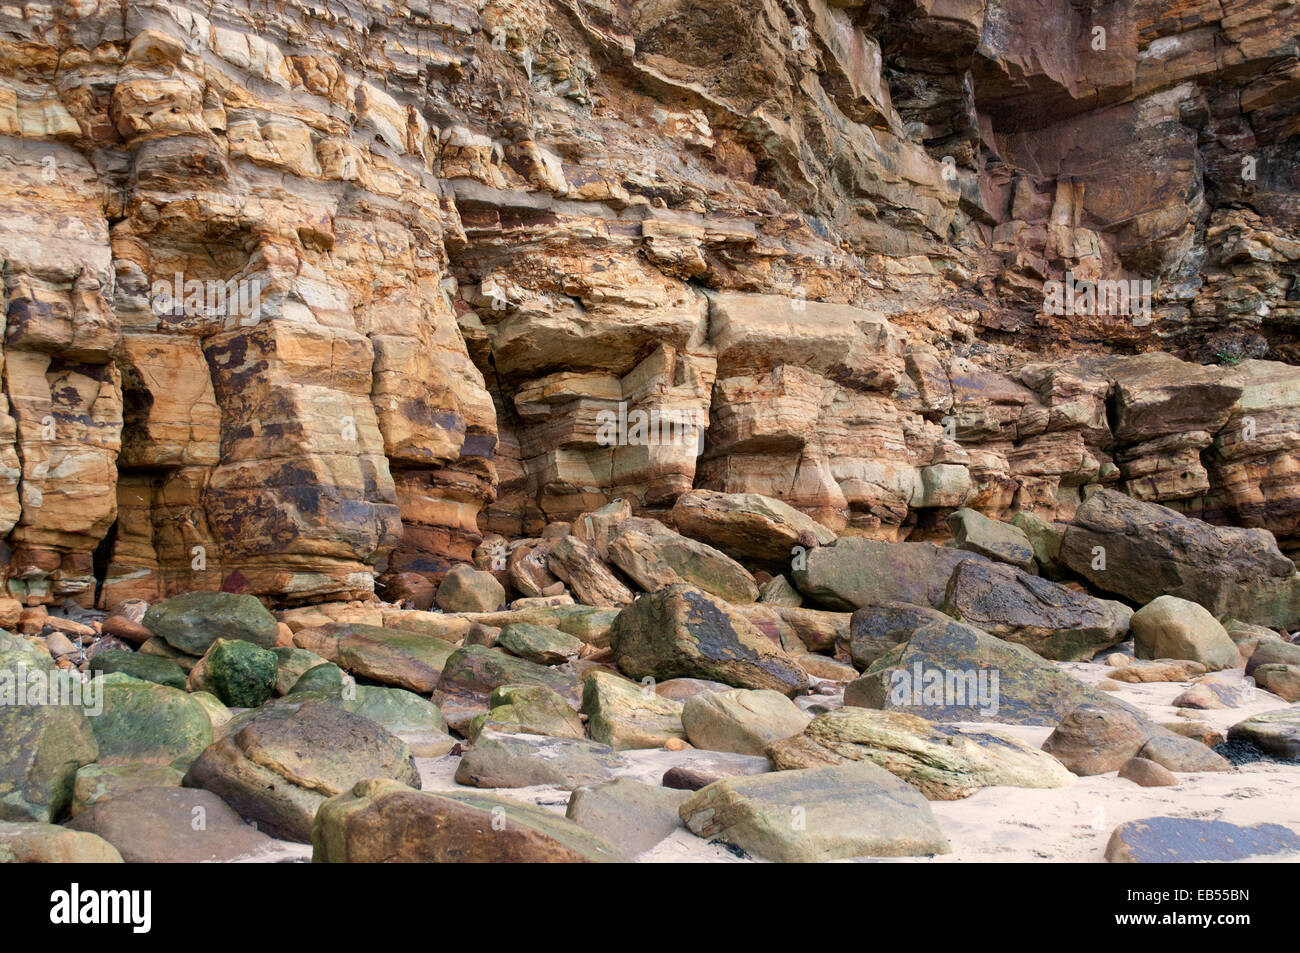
193, 621
143, 722
239, 673
150, 668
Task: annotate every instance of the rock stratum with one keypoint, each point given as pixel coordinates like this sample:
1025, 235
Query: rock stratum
314, 301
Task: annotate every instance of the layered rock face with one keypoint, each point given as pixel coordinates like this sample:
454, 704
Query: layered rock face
301, 297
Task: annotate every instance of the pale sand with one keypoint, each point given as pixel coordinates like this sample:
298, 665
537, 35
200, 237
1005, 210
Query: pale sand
1069, 824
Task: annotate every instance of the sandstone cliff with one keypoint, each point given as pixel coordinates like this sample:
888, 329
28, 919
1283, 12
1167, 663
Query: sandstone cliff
464, 232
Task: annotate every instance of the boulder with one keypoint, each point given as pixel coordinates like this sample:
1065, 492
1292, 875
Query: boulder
1281, 680
528, 710
149, 668
98, 782
680, 632
631, 815
1184, 840
193, 621
1275, 732
625, 715
1143, 551
1173, 628
953, 672
876, 629
702, 769
779, 591
291, 664
397, 657
1056, 622
976, 533
591, 581
1181, 754
1093, 739
143, 722
747, 526
1272, 652
326, 677
471, 673
1158, 670
1147, 774
380, 821
853, 572
741, 721
40, 843
539, 643
1045, 541
240, 674
466, 589
41, 748
280, 766
501, 760
653, 556
941, 761
819, 814
174, 825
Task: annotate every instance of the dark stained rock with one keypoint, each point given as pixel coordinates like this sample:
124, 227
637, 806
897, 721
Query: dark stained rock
1151, 551
937, 675
193, 621
1182, 840
1056, 622
681, 632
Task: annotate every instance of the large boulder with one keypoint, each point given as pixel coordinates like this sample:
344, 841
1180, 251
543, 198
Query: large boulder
874, 630
625, 715
747, 525
41, 748
1274, 732
40, 843
1056, 622
941, 761
741, 720
281, 765
397, 657
99, 782
539, 643
1282, 680
1142, 550
681, 632
528, 710
653, 556
502, 760
472, 672
1093, 739
953, 672
150, 668
1187, 840
193, 621
1173, 628
379, 821
143, 722
631, 815
241, 674
976, 533
581, 568
1273, 652
466, 589
172, 825
848, 810
853, 572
